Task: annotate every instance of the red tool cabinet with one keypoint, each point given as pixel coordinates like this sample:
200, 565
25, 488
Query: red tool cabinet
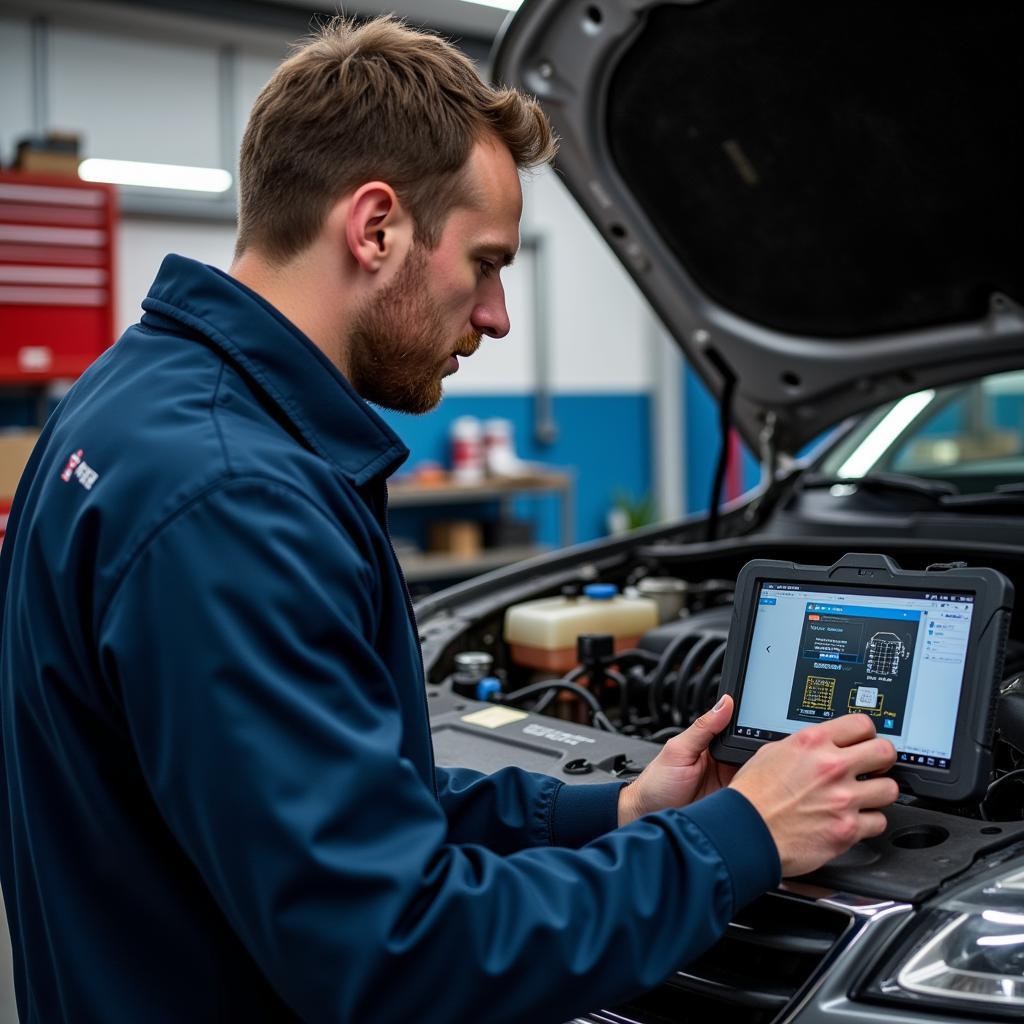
57, 238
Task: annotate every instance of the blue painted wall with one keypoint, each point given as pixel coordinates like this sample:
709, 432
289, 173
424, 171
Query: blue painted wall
605, 437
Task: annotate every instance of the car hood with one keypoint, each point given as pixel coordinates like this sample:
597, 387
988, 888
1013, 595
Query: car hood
822, 202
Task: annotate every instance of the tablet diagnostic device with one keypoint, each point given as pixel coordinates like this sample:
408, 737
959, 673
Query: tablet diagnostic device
920, 652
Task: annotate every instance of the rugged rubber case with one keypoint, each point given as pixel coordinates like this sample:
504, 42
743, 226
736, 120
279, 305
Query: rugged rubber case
971, 761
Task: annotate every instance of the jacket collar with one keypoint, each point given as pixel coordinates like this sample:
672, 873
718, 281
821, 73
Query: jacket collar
294, 374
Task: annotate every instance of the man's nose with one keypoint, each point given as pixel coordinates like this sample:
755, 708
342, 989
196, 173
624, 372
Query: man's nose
490, 316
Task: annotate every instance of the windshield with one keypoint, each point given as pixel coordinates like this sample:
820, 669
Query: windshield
970, 435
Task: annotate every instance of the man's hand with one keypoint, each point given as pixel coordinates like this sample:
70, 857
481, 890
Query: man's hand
683, 771
809, 790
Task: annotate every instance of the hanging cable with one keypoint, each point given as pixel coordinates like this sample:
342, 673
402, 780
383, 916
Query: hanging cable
724, 426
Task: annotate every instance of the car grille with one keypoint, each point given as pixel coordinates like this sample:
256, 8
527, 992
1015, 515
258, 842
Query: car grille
770, 952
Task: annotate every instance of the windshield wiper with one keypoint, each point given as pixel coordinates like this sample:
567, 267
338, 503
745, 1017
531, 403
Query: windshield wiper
935, 490
1007, 499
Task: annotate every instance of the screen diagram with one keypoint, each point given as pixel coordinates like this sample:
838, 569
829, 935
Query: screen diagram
884, 652
854, 659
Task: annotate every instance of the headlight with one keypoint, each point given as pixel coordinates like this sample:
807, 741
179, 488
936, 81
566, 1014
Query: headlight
966, 952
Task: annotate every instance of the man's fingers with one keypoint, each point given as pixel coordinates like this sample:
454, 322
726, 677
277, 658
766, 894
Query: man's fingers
877, 792
689, 744
848, 729
871, 824
877, 755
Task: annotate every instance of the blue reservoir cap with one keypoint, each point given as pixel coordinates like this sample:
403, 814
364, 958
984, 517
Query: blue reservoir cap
487, 686
600, 591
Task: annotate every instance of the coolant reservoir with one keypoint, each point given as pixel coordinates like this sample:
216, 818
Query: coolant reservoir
542, 634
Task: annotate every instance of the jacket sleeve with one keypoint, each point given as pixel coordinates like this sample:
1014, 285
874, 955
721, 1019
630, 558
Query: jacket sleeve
268, 732
513, 809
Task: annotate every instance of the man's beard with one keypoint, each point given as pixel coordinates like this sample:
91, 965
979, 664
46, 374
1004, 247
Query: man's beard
396, 354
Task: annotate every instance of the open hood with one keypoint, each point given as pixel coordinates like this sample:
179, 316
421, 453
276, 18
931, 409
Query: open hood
823, 202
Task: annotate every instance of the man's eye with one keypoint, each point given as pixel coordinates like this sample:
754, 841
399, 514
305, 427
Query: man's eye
486, 268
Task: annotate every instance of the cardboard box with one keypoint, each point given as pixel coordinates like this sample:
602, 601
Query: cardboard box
36, 162
15, 448
461, 538
56, 153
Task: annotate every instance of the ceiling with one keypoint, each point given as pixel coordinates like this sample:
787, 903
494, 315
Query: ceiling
454, 16
471, 25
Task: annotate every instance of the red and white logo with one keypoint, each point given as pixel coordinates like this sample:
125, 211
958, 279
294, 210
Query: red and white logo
78, 468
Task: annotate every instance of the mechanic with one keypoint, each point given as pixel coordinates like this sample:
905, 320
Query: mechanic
220, 799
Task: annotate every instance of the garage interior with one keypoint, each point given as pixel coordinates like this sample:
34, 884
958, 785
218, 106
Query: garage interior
586, 422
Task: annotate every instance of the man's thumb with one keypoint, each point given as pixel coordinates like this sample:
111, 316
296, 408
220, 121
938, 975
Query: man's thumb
698, 737
715, 719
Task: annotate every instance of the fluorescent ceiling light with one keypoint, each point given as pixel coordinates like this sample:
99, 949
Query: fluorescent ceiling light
874, 446
504, 5
173, 176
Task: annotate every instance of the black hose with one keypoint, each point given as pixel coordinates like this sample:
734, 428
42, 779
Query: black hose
570, 677
542, 705
682, 676
668, 656
657, 677
634, 654
706, 675
665, 734
598, 716
1017, 775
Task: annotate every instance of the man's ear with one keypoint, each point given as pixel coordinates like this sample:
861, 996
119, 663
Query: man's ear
377, 229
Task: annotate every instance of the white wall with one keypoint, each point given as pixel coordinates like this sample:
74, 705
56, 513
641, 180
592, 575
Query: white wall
135, 98
600, 324
252, 72
144, 241
15, 79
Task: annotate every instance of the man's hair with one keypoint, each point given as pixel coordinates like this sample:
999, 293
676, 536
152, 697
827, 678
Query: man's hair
368, 102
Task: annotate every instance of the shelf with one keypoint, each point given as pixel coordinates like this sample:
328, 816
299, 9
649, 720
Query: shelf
419, 567
437, 566
408, 494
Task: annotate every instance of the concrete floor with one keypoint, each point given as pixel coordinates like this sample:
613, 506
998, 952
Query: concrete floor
8, 1007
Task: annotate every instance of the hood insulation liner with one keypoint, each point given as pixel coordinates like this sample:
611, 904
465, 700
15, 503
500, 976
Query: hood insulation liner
831, 175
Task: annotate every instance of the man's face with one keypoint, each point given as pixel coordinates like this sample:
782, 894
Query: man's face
442, 300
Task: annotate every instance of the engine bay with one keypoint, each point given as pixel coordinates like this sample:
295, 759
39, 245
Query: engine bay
607, 709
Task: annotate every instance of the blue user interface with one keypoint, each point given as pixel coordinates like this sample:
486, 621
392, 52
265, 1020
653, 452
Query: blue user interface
896, 655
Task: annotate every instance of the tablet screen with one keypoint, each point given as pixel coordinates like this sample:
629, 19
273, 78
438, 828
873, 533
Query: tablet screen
818, 651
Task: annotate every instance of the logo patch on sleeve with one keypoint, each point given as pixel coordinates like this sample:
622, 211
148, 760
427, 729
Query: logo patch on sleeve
80, 470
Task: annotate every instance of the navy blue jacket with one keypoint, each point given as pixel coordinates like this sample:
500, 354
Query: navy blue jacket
220, 801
